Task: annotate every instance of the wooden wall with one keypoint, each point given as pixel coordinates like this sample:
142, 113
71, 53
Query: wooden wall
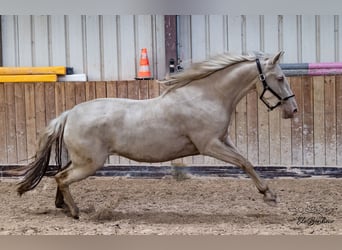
312, 138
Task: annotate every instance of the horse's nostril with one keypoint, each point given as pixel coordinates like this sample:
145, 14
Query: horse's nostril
295, 111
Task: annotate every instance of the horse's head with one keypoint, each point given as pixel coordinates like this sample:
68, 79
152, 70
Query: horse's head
274, 89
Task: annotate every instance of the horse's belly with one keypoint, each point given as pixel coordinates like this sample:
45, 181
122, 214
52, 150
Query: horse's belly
155, 149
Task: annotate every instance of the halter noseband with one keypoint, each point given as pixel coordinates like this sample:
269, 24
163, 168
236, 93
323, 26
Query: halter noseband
262, 78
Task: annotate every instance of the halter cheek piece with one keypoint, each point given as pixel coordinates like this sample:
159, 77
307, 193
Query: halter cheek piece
262, 78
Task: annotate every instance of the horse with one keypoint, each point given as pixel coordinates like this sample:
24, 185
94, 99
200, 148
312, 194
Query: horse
192, 116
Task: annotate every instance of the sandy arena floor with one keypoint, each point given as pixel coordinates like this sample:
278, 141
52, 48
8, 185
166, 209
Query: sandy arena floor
195, 206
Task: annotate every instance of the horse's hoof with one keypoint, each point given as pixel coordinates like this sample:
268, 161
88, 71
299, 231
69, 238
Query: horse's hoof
270, 199
76, 217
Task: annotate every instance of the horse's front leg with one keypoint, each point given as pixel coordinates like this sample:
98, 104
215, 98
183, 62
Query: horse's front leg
226, 151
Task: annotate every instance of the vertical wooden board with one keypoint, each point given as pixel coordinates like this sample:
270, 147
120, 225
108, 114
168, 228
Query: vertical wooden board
24, 40
101, 90
263, 134
11, 124
50, 101
110, 48
70, 95
339, 119
93, 53
3, 140
153, 89
275, 137
241, 126
330, 120
122, 87
57, 40
40, 108
90, 90
80, 92
143, 90
133, 90
252, 127
30, 112
126, 48
217, 34
308, 121
111, 89
199, 46
318, 109
297, 123
60, 97
20, 118
40, 52
234, 28
285, 142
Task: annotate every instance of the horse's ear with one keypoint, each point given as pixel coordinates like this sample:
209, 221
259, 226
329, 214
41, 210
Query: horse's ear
277, 57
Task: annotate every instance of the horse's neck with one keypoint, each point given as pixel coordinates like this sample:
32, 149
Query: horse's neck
236, 81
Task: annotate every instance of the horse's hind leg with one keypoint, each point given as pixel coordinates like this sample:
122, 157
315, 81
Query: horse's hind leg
73, 173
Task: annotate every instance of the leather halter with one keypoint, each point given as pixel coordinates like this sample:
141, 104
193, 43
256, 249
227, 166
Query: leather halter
262, 78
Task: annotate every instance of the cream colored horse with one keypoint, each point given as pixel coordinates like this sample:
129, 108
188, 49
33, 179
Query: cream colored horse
191, 117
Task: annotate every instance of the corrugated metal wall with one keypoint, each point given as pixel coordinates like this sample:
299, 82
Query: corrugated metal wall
304, 38
103, 47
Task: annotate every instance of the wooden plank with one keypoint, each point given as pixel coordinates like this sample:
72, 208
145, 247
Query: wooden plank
54, 70
297, 123
318, 108
40, 108
11, 124
20, 118
111, 89
308, 127
3, 141
70, 95
285, 142
339, 120
153, 89
330, 120
252, 127
275, 137
90, 91
60, 98
101, 90
30, 112
50, 105
80, 92
28, 78
133, 90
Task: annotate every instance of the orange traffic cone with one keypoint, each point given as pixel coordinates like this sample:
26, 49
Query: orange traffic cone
144, 69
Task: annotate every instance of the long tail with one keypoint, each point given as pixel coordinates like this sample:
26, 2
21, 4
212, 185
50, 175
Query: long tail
35, 171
